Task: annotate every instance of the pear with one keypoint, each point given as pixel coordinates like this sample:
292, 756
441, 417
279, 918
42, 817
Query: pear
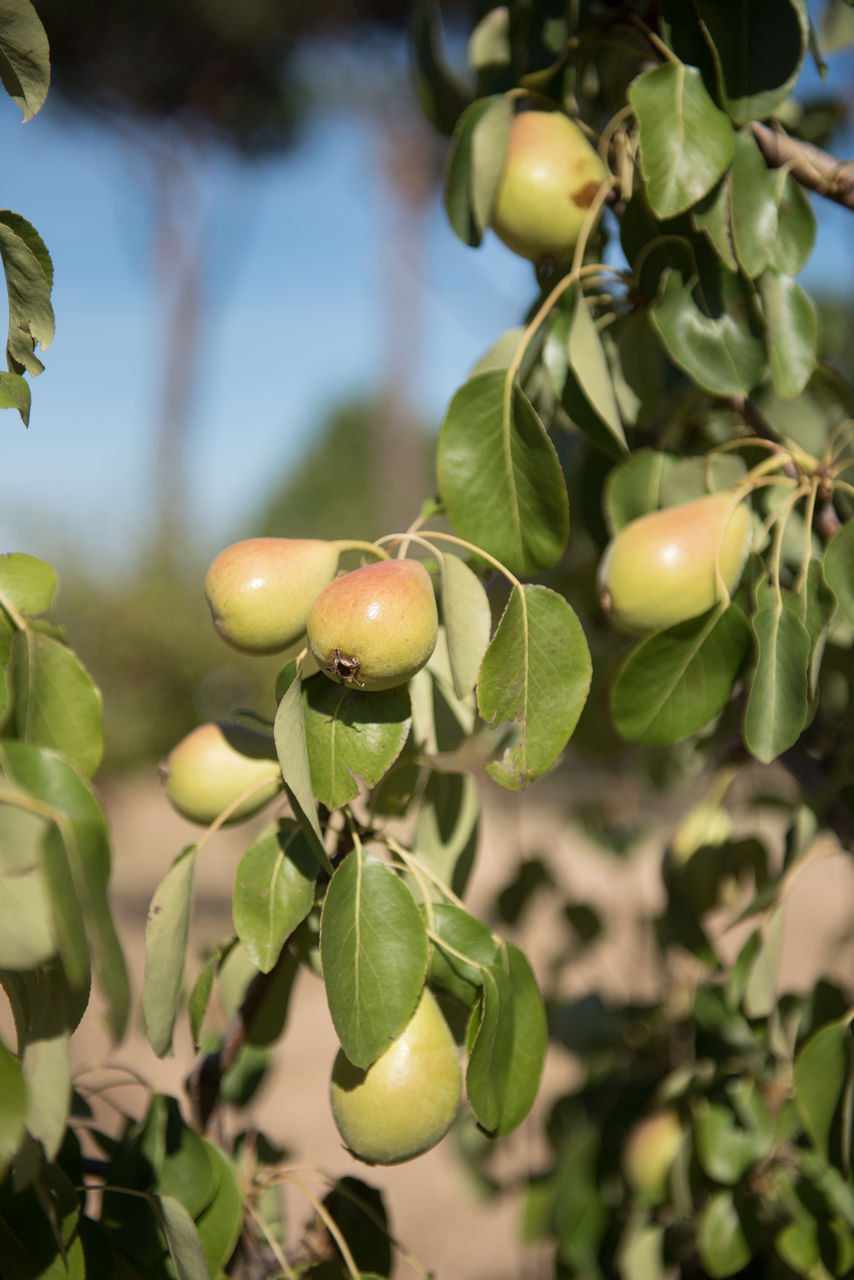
660, 568
214, 764
260, 590
649, 1152
374, 627
406, 1101
551, 175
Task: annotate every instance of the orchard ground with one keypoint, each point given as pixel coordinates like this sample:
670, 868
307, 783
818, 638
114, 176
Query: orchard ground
434, 1205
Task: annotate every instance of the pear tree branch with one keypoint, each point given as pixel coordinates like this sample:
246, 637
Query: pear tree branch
808, 164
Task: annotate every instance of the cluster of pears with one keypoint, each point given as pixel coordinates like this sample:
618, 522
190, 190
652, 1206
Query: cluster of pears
369, 629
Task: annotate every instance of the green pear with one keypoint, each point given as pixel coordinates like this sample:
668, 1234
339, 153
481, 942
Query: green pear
374, 627
406, 1101
550, 177
260, 590
660, 568
649, 1152
216, 763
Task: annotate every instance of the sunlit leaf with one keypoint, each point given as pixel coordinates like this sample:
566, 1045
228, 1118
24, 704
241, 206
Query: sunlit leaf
753, 205
182, 1239
57, 704
13, 1107
352, 738
467, 619
474, 165
721, 1242
273, 892
779, 692
792, 328
24, 56
822, 1078
29, 275
289, 732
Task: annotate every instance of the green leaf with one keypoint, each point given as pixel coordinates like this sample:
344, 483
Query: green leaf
713, 215
29, 275
442, 99
686, 143
573, 399
13, 1107
795, 236
474, 165
499, 475
535, 675
166, 933
26, 934
351, 736
46, 1059
508, 1045
721, 1242
373, 948
220, 1222
289, 732
182, 1239
467, 619
589, 364
839, 568
749, 34
464, 935
15, 394
56, 701
24, 56
779, 692
673, 683
691, 478
707, 324
203, 987
447, 826
634, 487
177, 1156
67, 917
724, 1149
28, 583
273, 892
822, 1079
753, 204
792, 333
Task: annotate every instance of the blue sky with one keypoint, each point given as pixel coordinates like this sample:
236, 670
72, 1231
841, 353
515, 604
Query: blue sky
292, 323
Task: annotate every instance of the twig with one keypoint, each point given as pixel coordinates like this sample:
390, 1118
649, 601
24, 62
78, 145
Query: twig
808, 164
749, 411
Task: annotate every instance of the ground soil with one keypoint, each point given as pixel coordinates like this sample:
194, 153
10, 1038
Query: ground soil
435, 1205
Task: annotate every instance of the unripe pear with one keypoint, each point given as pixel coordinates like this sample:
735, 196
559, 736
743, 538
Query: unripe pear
215, 764
260, 590
660, 568
374, 627
651, 1148
406, 1101
550, 178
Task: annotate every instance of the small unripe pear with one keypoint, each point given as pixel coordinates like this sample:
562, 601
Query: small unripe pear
551, 175
215, 764
260, 590
660, 568
406, 1101
375, 627
651, 1148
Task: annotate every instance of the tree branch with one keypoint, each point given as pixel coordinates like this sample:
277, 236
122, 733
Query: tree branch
812, 167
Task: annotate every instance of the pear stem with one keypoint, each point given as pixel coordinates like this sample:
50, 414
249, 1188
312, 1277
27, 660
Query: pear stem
355, 544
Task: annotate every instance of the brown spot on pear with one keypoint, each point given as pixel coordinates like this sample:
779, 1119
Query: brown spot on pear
551, 174
406, 1101
374, 627
660, 568
216, 763
260, 590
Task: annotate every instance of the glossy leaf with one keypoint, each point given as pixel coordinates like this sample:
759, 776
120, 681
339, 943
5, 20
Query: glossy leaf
467, 619
29, 276
713, 215
753, 205
839, 568
352, 738
508, 1045
793, 243
686, 142
289, 732
474, 165
779, 692
822, 1078
25, 61
13, 1107
56, 701
464, 936
536, 676
373, 946
573, 398
792, 333
588, 363
273, 892
499, 475
707, 324
182, 1239
674, 682
166, 933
